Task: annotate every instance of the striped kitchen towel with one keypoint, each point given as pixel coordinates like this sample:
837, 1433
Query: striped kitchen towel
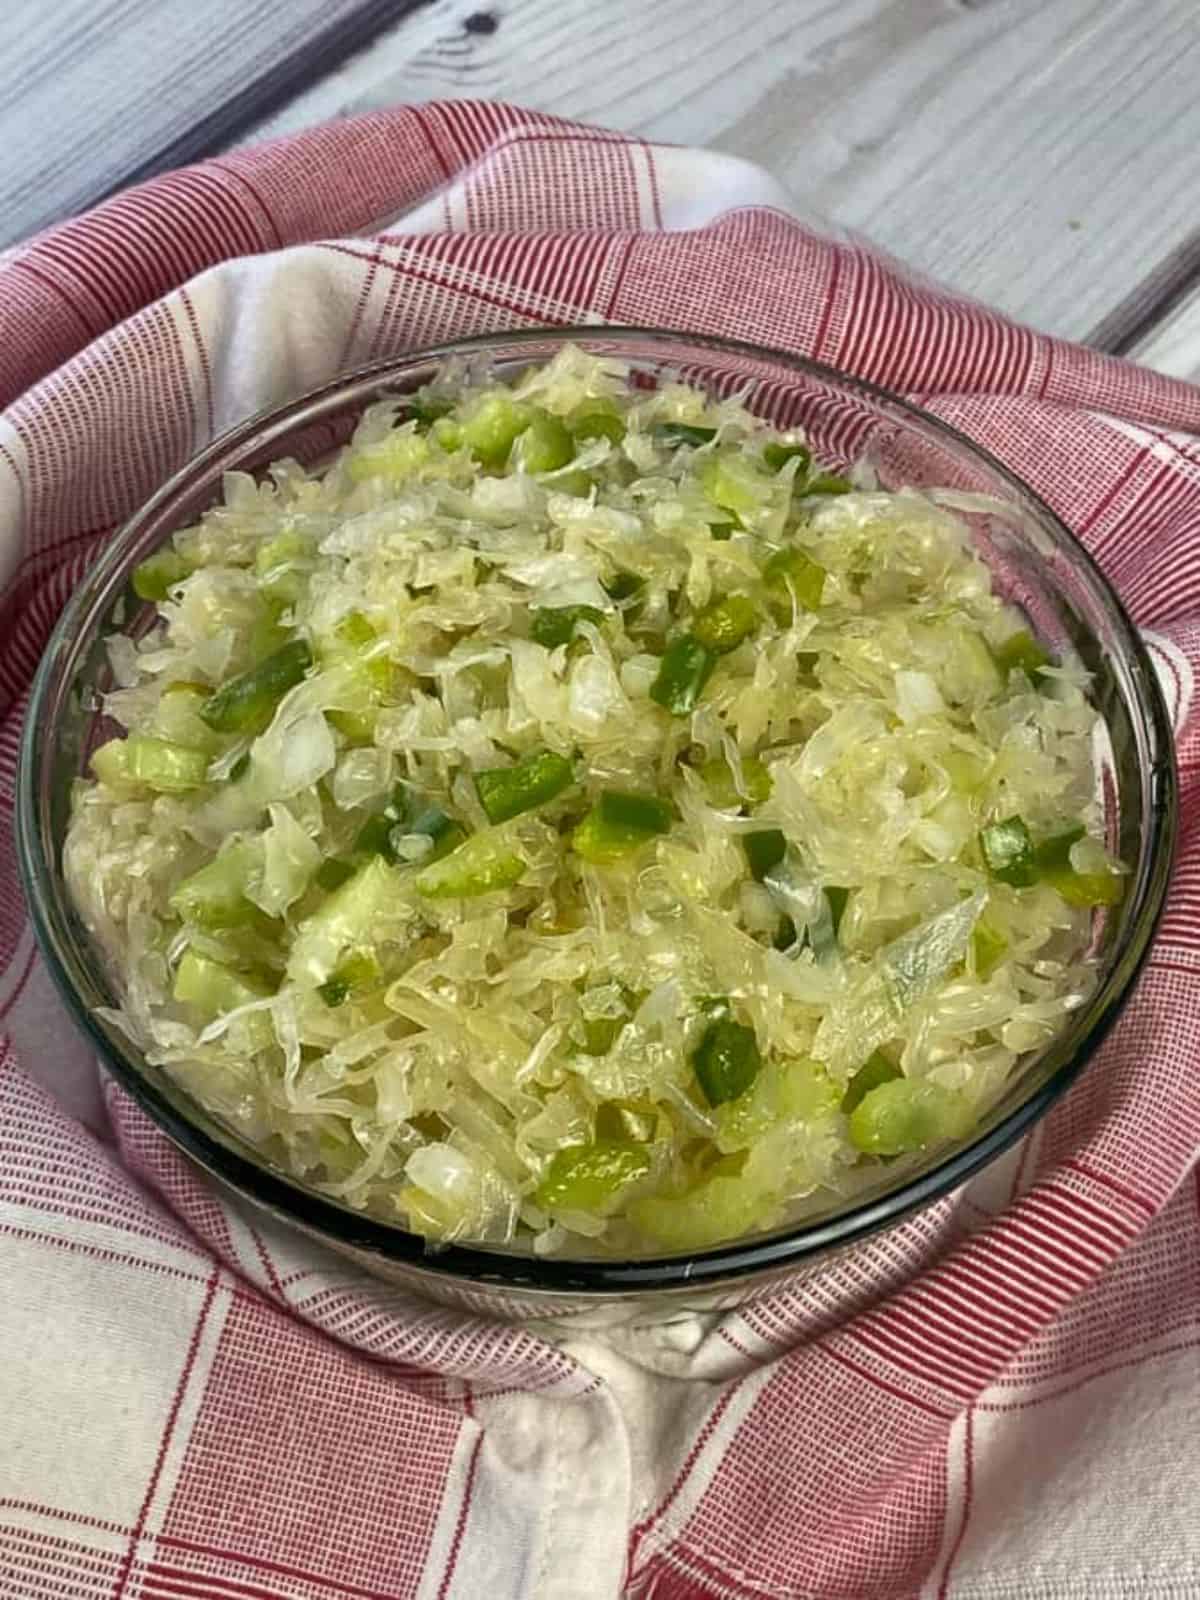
998, 1401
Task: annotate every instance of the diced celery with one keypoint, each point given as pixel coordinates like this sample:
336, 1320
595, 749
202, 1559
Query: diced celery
110, 764
490, 425
720, 1207
165, 767
1086, 889
212, 989
1021, 652
736, 483
215, 896
793, 571
398, 456
723, 791
278, 562
907, 1114
178, 718
596, 423
591, 1177
544, 445
876, 1069
988, 948
348, 920
157, 575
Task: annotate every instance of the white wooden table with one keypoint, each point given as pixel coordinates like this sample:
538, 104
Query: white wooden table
1041, 154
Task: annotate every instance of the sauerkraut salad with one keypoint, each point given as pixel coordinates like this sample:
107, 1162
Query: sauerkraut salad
576, 820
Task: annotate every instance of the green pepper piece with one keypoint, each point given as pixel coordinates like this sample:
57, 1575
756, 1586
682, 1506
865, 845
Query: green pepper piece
427, 408
246, 704
683, 671
677, 433
480, 865
1055, 850
331, 874
906, 1114
591, 1177
763, 851
723, 625
600, 1034
776, 454
726, 1061
554, 625
506, 792
1086, 889
988, 947
374, 838
577, 482
1021, 652
619, 823
837, 899
644, 813
545, 445
1007, 851
876, 1069
599, 425
623, 586
722, 791
794, 571
355, 971
157, 575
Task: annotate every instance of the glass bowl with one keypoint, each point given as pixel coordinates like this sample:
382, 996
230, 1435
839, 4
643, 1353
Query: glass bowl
1036, 563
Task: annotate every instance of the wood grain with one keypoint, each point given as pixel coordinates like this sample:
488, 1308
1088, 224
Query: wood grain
97, 94
1173, 344
1039, 154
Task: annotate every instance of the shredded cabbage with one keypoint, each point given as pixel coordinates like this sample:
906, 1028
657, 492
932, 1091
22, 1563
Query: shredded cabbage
613, 832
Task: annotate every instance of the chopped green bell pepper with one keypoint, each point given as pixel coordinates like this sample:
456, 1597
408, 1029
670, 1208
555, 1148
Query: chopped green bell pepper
727, 1060
723, 625
685, 668
506, 792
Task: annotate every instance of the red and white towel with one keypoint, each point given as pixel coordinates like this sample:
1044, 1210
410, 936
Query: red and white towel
1001, 1401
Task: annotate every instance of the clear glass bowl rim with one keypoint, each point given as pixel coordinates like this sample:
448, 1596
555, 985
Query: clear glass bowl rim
753, 1257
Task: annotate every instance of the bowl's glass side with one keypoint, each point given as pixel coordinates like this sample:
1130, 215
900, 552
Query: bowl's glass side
1036, 563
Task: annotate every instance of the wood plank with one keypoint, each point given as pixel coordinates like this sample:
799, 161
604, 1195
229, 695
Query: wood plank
1173, 344
1031, 152
97, 94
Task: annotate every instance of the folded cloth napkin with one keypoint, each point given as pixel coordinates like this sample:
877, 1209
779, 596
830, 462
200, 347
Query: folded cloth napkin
1000, 1399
